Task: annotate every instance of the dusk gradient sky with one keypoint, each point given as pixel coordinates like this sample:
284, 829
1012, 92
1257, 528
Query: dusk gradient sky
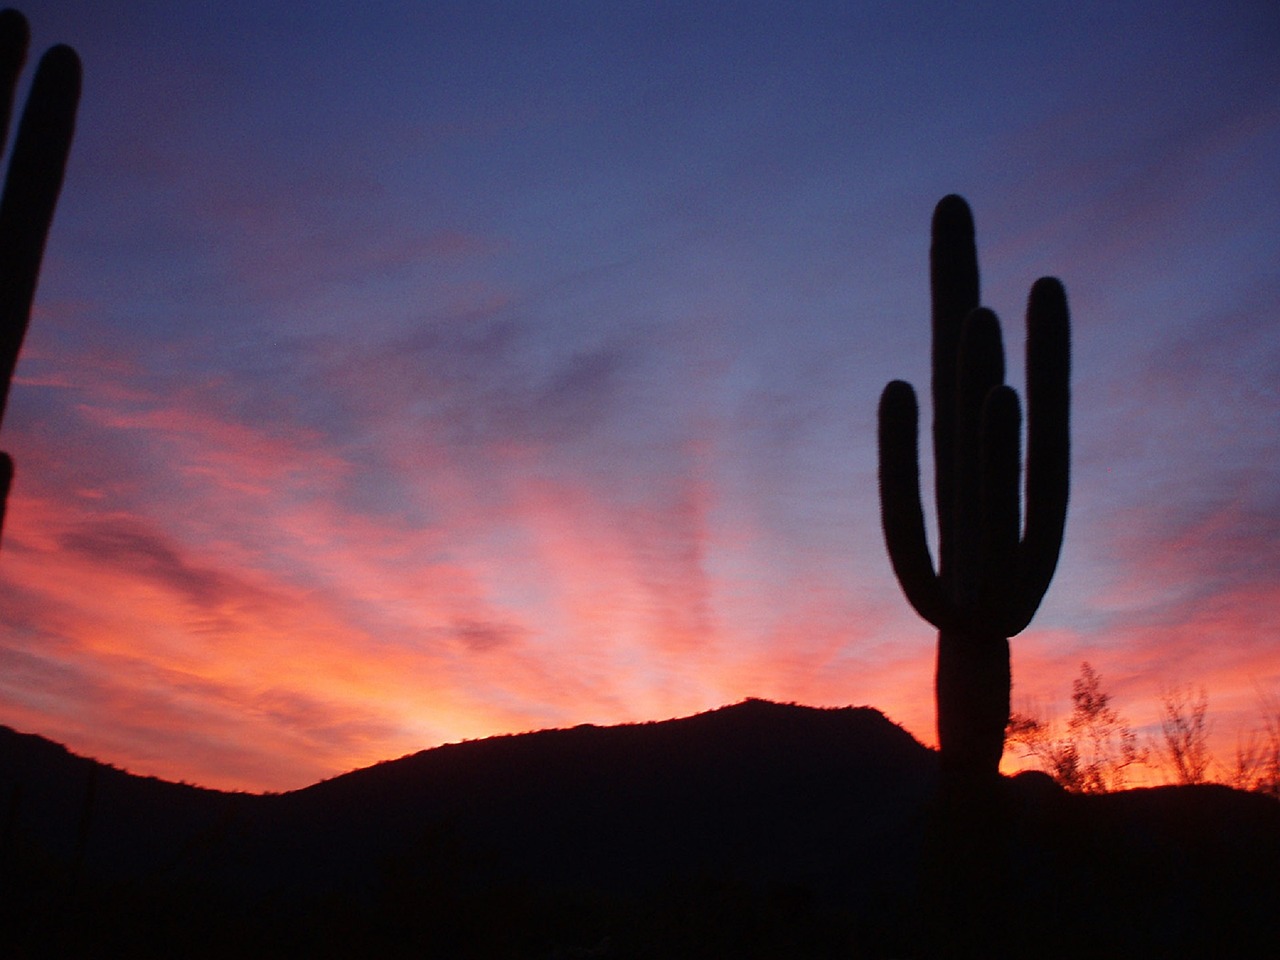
408, 372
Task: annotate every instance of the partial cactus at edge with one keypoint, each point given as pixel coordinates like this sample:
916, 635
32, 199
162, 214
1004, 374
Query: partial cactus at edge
993, 567
31, 188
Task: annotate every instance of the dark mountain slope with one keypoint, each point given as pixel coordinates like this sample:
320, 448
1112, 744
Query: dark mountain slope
757, 788
1167, 871
755, 830
72, 811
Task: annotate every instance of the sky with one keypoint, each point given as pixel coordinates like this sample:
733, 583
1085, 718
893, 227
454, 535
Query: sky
404, 373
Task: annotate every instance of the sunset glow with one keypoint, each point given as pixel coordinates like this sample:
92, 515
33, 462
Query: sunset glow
435, 371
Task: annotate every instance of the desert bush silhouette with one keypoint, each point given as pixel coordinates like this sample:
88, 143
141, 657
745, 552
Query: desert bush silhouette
31, 188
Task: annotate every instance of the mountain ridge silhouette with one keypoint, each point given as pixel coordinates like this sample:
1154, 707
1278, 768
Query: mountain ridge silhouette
790, 828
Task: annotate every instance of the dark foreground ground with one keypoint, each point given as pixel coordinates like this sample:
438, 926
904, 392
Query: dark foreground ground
758, 830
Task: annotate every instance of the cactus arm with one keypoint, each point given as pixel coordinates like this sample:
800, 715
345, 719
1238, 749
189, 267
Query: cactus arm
1048, 446
14, 37
36, 169
953, 287
901, 514
34, 178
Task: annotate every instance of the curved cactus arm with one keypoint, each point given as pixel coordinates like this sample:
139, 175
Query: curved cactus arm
901, 514
36, 169
14, 37
1048, 446
953, 289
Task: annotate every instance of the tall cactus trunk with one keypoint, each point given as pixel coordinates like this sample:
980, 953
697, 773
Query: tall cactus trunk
972, 687
994, 563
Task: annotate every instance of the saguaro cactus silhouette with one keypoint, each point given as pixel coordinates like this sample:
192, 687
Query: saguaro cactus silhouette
992, 569
31, 187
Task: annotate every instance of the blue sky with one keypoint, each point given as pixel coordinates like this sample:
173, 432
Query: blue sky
429, 371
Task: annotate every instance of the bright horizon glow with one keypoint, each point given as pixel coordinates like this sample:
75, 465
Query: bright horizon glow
442, 372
